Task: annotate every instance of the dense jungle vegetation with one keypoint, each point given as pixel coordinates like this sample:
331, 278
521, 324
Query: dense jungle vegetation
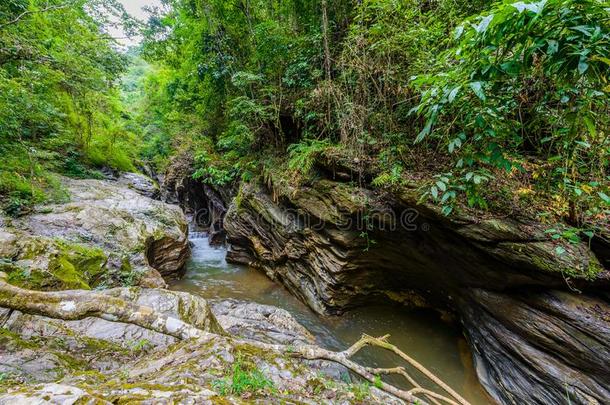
486, 106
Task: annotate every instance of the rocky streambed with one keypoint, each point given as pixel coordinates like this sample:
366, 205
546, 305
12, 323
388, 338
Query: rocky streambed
537, 322
113, 239
535, 309
440, 346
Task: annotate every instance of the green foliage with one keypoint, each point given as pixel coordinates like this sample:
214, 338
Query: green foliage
303, 156
378, 383
570, 235
211, 174
142, 345
391, 179
59, 104
511, 92
245, 378
527, 78
361, 391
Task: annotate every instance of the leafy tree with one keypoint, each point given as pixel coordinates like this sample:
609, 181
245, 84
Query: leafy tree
526, 84
59, 105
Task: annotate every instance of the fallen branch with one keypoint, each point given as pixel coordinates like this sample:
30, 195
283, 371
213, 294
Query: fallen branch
383, 343
79, 304
310, 352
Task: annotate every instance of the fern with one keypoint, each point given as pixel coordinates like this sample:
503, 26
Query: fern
303, 156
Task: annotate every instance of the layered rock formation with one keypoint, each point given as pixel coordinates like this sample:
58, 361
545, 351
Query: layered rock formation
205, 205
97, 361
107, 235
537, 321
29, 356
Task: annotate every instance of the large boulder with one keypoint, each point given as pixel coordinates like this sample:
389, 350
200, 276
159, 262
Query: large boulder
140, 183
336, 245
263, 323
106, 235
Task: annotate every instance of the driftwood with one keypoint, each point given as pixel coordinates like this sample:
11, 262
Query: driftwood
78, 304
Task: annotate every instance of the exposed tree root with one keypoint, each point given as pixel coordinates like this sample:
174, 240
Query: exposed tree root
77, 305
81, 304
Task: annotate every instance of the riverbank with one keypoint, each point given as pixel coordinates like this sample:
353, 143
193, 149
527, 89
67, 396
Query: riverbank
525, 299
513, 286
121, 336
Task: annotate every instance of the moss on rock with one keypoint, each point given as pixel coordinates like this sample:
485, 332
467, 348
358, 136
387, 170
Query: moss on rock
51, 264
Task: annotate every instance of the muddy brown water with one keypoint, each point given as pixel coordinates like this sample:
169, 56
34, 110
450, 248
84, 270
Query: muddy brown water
422, 335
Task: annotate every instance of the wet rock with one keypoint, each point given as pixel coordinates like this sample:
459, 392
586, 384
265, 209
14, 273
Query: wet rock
140, 183
259, 322
107, 235
168, 255
336, 246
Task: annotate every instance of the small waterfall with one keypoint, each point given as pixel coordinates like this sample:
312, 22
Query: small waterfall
204, 255
197, 235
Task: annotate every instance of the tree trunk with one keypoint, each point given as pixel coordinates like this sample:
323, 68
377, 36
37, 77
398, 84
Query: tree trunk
327, 61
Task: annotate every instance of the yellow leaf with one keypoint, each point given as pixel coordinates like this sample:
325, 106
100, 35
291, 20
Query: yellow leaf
586, 188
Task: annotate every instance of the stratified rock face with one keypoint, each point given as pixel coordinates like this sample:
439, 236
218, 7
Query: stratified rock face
336, 246
204, 204
107, 235
530, 341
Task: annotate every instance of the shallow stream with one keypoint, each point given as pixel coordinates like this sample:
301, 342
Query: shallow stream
422, 335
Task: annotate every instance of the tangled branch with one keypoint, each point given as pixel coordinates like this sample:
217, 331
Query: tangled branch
79, 304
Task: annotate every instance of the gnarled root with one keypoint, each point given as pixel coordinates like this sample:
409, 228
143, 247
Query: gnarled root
80, 304
77, 305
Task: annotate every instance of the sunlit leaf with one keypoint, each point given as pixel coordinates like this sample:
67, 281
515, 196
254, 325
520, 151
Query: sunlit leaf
553, 47
533, 7
582, 65
482, 26
477, 88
